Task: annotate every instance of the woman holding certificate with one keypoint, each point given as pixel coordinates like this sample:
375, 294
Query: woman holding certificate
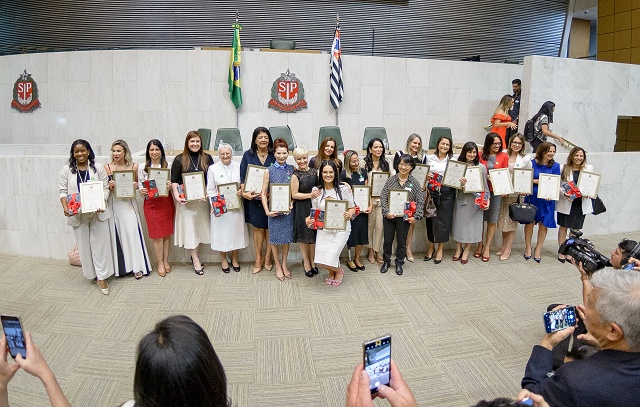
276, 202
399, 190
444, 197
90, 228
571, 209
336, 201
230, 228
545, 215
257, 159
192, 225
159, 210
492, 158
501, 119
375, 162
467, 216
127, 242
327, 151
303, 181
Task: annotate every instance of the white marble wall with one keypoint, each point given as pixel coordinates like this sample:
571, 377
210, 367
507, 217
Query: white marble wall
589, 97
139, 95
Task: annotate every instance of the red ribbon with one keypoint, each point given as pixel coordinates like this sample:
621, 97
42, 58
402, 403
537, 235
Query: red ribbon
409, 209
482, 200
317, 223
219, 205
73, 205
572, 189
436, 182
357, 211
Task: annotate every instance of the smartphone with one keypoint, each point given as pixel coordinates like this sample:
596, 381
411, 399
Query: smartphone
560, 319
12, 328
376, 357
524, 402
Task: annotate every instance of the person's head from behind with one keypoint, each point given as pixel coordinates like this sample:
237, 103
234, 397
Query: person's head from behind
547, 108
620, 255
516, 85
177, 366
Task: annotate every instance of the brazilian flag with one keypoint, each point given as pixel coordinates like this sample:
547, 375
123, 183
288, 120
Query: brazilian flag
235, 91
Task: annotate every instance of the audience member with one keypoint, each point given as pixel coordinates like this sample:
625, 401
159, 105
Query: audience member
514, 112
359, 237
541, 122
501, 121
302, 182
328, 150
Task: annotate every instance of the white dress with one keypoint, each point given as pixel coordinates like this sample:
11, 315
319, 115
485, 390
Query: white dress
229, 228
329, 243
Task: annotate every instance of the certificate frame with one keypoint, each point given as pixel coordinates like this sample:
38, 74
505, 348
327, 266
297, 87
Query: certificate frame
501, 176
378, 179
254, 177
122, 178
518, 179
161, 183
363, 190
95, 189
588, 192
278, 189
453, 172
334, 214
478, 169
228, 189
421, 168
549, 178
394, 196
194, 194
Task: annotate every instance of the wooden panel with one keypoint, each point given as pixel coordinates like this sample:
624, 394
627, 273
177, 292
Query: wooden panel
606, 24
579, 38
623, 21
605, 56
622, 55
622, 39
605, 8
622, 5
605, 42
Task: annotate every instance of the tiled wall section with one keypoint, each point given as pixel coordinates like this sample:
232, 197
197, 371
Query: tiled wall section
619, 31
628, 134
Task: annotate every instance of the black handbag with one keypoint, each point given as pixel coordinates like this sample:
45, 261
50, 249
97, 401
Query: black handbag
522, 212
598, 206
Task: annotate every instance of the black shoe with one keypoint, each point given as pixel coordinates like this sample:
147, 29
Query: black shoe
427, 258
225, 270
385, 267
236, 269
361, 268
315, 270
437, 261
399, 270
309, 273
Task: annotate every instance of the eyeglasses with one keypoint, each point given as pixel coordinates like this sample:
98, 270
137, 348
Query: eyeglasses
496, 144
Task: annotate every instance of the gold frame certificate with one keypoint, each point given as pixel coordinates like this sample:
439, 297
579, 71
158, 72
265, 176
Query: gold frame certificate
378, 179
549, 186
397, 199
161, 176
334, 214
92, 196
280, 198
193, 183
420, 173
475, 182
124, 184
523, 181
362, 196
501, 181
588, 183
254, 178
453, 173
230, 192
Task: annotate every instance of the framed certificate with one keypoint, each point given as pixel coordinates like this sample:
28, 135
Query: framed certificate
230, 192
549, 186
588, 184
161, 176
280, 198
378, 179
397, 199
334, 214
92, 196
362, 196
124, 184
475, 180
420, 173
194, 185
501, 181
523, 181
254, 178
452, 174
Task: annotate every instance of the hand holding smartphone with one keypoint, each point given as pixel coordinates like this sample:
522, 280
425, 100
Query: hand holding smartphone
12, 328
560, 319
376, 357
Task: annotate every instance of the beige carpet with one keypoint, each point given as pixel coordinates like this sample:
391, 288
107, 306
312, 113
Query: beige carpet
460, 332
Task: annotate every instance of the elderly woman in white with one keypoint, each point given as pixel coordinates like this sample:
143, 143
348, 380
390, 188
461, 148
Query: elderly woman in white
229, 228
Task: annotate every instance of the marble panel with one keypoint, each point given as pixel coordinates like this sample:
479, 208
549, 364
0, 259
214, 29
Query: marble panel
351, 72
273, 65
417, 101
174, 123
32, 214
102, 127
247, 122
39, 67
438, 95
372, 72
123, 125
460, 74
58, 67
148, 81
251, 82
174, 66
101, 96
79, 97
220, 61
56, 100
30, 128
124, 65
352, 131
19, 63
501, 76
149, 125
57, 125
302, 66
123, 96
101, 66
304, 132
174, 95
11, 242
417, 73
199, 91
79, 63
395, 90
396, 132
5, 69
322, 68
224, 113
59, 244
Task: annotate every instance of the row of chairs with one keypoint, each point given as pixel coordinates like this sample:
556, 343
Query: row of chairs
232, 136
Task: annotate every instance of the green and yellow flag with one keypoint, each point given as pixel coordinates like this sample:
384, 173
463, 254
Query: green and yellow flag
235, 91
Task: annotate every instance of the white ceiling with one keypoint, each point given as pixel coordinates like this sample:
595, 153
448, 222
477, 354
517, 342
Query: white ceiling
586, 9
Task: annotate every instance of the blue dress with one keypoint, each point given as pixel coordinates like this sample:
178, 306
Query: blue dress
281, 226
253, 210
546, 213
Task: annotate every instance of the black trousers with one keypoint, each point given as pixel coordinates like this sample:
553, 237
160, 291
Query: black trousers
399, 229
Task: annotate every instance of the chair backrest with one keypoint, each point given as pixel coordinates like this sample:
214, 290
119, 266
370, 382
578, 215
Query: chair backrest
331, 131
285, 133
282, 44
436, 133
374, 132
229, 136
205, 135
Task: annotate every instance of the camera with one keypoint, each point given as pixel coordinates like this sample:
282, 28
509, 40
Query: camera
582, 250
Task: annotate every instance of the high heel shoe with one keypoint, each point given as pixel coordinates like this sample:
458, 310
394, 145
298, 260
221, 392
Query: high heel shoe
279, 277
336, 283
361, 268
537, 259
235, 268
526, 257
436, 261
561, 260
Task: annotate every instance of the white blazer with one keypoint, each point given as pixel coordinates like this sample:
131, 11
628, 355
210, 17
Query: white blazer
67, 185
523, 162
564, 204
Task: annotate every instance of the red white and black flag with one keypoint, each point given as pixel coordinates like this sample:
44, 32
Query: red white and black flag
337, 88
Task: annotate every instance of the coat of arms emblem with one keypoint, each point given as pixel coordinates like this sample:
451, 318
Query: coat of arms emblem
287, 93
25, 94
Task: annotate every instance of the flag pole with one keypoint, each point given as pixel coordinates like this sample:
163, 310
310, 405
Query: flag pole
237, 115
337, 122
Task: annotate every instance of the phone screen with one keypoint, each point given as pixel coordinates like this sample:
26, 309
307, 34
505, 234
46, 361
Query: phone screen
15, 338
377, 361
560, 319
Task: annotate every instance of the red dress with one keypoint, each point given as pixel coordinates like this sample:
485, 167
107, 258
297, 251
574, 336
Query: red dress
502, 130
159, 213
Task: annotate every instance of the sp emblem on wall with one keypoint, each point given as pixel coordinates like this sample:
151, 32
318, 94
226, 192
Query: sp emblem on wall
25, 94
287, 93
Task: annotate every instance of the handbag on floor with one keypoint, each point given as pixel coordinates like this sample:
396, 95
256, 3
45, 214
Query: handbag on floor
598, 205
429, 207
74, 256
522, 212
